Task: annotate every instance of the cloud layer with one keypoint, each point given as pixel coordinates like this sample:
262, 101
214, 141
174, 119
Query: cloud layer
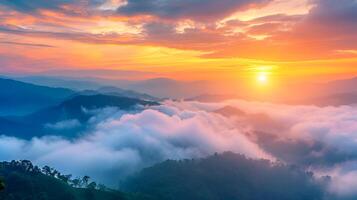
321, 139
123, 144
213, 27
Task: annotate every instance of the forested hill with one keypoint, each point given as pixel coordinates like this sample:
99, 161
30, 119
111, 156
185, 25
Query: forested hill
20, 180
226, 176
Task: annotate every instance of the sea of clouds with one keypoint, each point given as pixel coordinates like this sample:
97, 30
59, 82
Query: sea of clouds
321, 139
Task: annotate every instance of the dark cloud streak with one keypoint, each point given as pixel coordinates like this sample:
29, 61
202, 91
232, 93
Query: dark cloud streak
26, 44
192, 9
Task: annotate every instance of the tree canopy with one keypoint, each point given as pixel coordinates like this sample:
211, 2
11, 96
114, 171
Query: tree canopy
24, 181
226, 176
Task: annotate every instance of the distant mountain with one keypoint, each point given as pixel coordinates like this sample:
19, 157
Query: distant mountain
338, 92
334, 93
65, 82
212, 97
157, 87
225, 176
75, 107
18, 98
229, 111
107, 74
66, 118
126, 93
169, 88
338, 99
341, 86
18, 128
98, 86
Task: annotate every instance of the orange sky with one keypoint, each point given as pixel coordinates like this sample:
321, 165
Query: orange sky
199, 39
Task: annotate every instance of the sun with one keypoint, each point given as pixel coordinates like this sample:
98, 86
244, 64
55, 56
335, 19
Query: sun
262, 78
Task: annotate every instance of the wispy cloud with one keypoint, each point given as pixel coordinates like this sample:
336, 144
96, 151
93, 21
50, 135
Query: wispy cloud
25, 44
159, 20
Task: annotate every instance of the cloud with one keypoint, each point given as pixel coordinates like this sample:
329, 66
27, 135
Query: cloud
124, 143
332, 126
190, 9
344, 178
58, 5
64, 125
26, 44
158, 23
321, 139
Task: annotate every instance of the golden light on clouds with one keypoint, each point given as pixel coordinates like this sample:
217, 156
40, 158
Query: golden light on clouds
288, 7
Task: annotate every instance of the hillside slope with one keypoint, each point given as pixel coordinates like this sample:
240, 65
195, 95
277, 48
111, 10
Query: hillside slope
18, 98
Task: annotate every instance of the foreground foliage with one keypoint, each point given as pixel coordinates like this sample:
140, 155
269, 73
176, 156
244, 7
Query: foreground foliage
227, 176
27, 182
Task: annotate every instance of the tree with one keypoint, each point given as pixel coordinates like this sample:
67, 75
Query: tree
65, 178
102, 187
2, 185
76, 183
92, 186
25, 181
85, 181
226, 176
47, 170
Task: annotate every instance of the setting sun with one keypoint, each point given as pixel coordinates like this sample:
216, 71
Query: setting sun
262, 78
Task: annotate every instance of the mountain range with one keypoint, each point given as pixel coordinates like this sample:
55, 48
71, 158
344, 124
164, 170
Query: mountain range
66, 118
339, 92
18, 98
29, 110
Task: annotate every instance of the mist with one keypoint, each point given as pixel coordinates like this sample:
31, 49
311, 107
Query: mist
321, 139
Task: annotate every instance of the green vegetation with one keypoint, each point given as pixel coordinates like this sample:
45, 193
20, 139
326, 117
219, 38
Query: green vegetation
27, 182
226, 177
2, 185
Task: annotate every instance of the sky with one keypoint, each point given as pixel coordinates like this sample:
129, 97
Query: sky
312, 40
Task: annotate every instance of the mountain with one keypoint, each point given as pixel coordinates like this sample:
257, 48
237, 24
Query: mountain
336, 93
229, 111
19, 98
23, 181
333, 93
76, 107
342, 86
338, 99
157, 87
226, 176
91, 85
126, 93
169, 88
212, 98
66, 82
217, 177
18, 128
66, 118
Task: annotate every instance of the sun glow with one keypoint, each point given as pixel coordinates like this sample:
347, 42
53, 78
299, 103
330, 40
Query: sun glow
262, 78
